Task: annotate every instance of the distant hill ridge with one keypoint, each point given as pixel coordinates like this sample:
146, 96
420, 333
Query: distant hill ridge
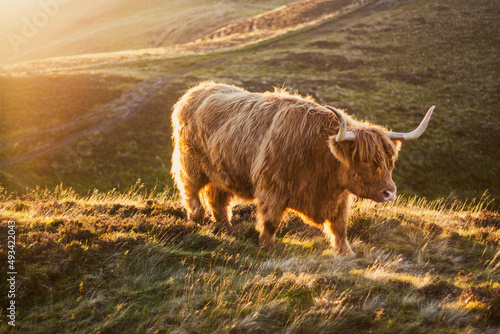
270, 24
37, 29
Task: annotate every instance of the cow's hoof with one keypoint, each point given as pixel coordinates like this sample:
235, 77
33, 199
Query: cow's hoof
266, 241
197, 215
346, 252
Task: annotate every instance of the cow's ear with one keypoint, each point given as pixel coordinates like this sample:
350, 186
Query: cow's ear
342, 151
398, 144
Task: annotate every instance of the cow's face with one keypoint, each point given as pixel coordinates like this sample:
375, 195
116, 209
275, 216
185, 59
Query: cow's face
369, 162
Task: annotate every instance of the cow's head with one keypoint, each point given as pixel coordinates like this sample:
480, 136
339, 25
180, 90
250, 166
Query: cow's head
369, 154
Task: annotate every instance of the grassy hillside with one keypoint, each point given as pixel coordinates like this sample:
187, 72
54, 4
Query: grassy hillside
130, 262
30, 31
104, 121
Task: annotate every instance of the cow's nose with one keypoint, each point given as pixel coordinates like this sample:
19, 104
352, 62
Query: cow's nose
389, 195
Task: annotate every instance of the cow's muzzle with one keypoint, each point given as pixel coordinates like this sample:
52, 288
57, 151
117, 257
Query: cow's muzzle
388, 195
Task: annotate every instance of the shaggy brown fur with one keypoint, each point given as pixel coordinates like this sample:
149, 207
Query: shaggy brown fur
278, 149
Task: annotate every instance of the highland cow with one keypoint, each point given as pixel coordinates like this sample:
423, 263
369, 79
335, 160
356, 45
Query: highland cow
283, 151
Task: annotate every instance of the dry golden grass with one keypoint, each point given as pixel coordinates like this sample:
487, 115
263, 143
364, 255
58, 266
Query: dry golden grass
109, 262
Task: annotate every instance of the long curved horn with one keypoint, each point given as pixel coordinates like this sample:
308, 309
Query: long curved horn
343, 134
406, 136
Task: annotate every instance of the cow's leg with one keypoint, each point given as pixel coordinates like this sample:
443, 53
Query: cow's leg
269, 219
335, 228
218, 199
192, 203
191, 179
196, 212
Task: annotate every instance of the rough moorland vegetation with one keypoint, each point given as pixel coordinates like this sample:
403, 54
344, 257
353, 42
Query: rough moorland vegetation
127, 260
130, 262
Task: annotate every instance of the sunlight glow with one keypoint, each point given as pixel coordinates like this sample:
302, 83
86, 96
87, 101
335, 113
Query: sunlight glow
14, 10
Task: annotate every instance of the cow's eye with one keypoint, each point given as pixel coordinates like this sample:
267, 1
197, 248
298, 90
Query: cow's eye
366, 163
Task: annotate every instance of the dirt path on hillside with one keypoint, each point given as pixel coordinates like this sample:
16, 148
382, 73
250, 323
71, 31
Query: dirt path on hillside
93, 123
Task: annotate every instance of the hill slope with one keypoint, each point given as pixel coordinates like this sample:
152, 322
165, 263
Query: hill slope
127, 259
78, 27
387, 63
